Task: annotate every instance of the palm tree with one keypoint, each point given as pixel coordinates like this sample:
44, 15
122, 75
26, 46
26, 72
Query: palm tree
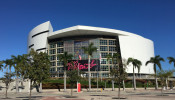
1, 65
89, 50
156, 61
109, 56
124, 64
171, 60
136, 64
8, 64
64, 58
16, 61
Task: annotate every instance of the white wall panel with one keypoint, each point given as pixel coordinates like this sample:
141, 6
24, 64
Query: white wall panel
139, 48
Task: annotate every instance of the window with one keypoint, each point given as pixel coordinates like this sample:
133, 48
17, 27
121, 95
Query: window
85, 43
104, 68
52, 45
103, 42
60, 44
112, 42
52, 51
110, 61
60, 50
60, 69
52, 69
111, 48
53, 57
105, 74
59, 63
52, 63
103, 55
111, 67
103, 48
104, 61
68, 49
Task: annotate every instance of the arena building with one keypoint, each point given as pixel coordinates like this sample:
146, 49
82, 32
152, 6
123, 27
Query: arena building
108, 41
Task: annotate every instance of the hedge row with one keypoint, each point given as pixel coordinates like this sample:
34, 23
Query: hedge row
59, 84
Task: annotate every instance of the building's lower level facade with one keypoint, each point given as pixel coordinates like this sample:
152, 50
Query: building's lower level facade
107, 41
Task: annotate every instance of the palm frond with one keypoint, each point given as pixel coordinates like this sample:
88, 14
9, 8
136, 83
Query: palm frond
90, 49
171, 60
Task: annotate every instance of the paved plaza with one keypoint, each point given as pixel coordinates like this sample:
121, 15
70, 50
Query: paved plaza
107, 94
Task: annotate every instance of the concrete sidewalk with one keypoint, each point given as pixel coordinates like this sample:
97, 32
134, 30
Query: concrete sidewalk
107, 94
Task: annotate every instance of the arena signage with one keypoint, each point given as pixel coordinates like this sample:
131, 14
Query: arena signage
83, 65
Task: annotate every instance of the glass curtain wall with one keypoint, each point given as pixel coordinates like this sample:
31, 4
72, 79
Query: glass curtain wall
73, 46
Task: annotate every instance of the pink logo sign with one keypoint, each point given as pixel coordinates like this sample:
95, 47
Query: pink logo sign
81, 66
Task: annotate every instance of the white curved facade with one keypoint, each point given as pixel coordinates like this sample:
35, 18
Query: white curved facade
37, 37
131, 45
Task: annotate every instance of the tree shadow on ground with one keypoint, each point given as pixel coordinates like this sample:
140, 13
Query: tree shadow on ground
118, 98
68, 96
5, 98
141, 94
101, 95
169, 93
162, 95
32, 97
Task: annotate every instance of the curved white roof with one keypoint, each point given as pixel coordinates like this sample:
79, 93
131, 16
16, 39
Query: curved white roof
88, 30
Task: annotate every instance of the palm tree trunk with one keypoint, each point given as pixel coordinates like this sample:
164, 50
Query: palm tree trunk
17, 84
65, 80
10, 69
134, 79
40, 88
7, 70
89, 73
156, 87
123, 85
156, 83
112, 85
166, 83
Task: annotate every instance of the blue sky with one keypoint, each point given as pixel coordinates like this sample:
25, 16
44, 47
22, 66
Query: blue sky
152, 19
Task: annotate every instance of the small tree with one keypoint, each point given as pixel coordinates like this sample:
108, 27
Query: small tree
118, 71
73, 76
7, 79
36, 68
163, 75
110, 57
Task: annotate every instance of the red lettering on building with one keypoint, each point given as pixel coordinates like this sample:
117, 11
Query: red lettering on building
81, 66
